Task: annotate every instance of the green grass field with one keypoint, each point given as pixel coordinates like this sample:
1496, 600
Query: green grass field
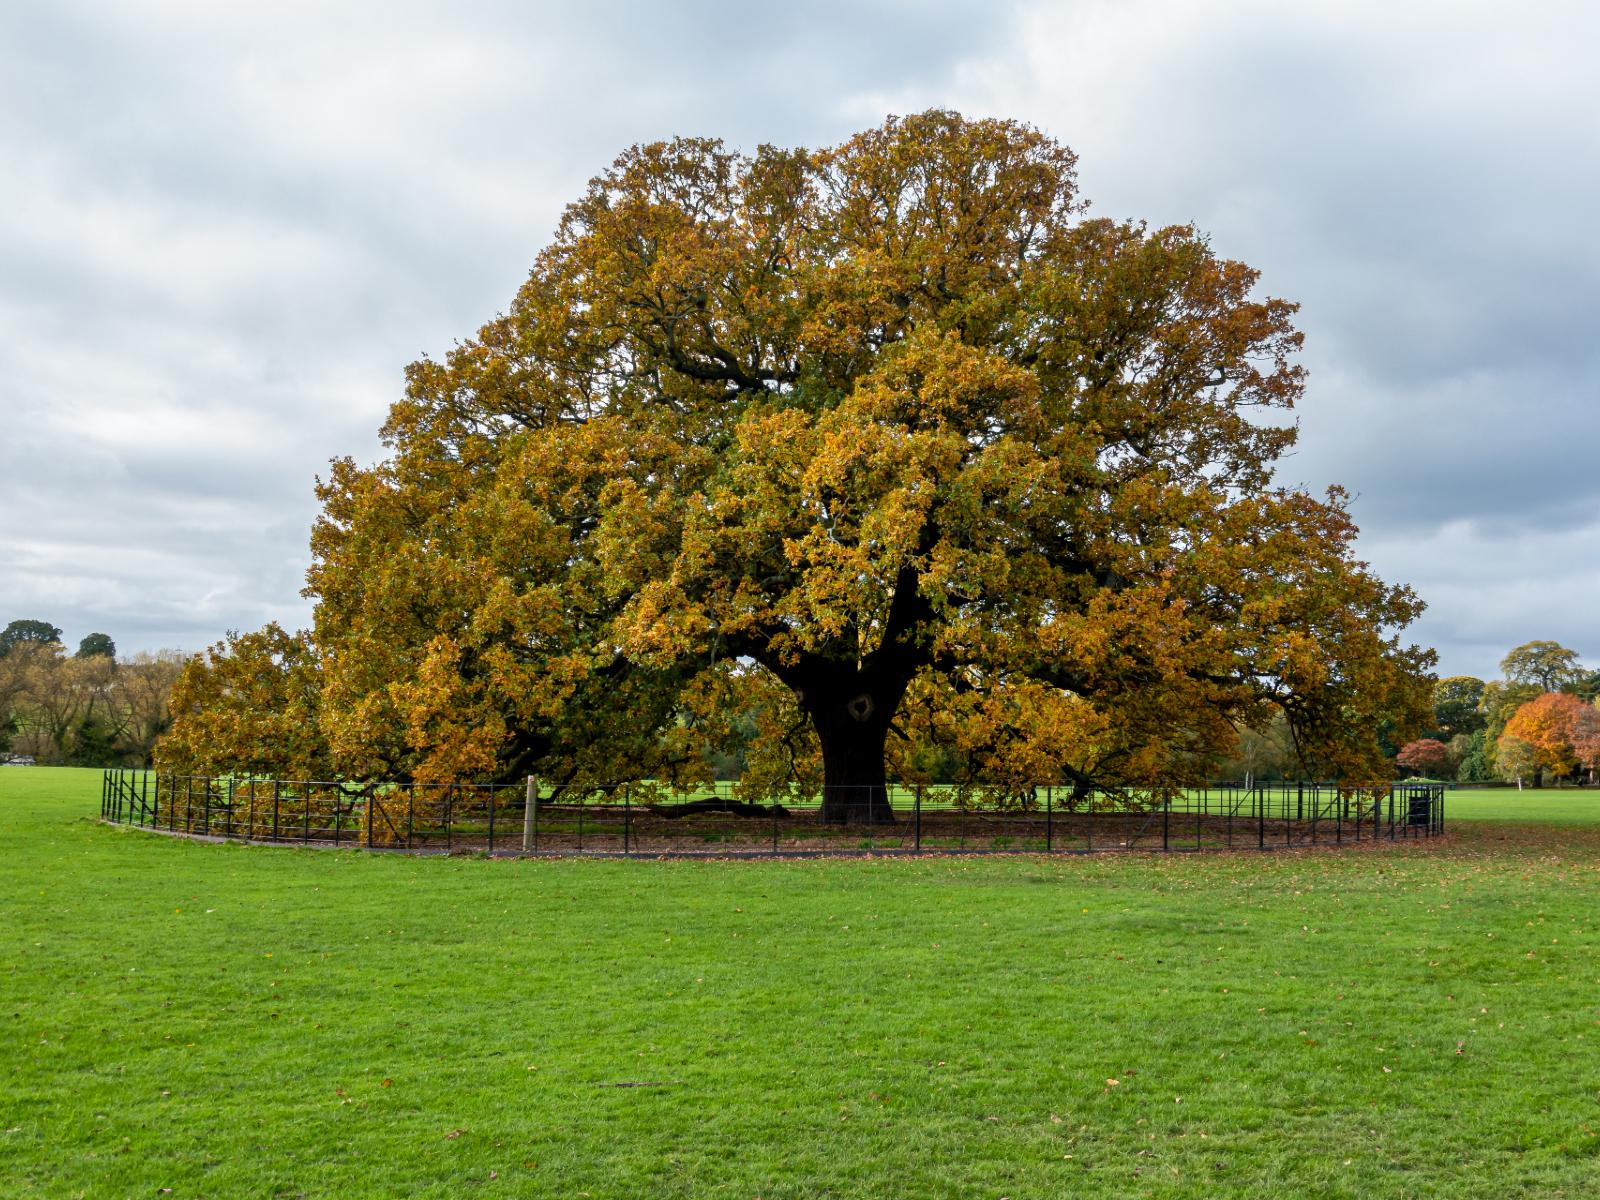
229, 1020
1564, 807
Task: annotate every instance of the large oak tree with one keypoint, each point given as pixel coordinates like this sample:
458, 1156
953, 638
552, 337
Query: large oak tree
856, 455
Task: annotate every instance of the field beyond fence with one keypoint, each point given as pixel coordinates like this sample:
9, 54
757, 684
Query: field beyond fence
649, 820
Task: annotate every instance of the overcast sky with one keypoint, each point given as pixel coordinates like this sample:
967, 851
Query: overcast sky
225, 229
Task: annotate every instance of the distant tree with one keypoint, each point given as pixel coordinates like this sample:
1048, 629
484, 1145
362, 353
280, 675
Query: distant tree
94, 742
144, 686
1455, 705
1264, 752
1586, 687
1515, 759
97, 644
1554, 724
13, 675
18, 632
1549, 666
1586, 740
1474, 757
1425, 756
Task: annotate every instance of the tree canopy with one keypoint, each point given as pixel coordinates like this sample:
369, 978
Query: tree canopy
867, 456
1456, 701
97, 645
18, 633
1547, 665
1425, 756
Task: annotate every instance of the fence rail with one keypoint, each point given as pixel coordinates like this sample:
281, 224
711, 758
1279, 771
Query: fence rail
649, 820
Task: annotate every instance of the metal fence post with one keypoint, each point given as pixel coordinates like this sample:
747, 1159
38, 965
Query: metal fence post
1049, 818
627, 820
491, 820
1166, 817
1259, 801
916, 819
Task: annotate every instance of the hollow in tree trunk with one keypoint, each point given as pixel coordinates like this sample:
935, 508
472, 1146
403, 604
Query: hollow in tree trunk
852, 731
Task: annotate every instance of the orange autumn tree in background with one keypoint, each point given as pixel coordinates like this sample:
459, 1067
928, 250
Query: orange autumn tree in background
861, 457
1556, 732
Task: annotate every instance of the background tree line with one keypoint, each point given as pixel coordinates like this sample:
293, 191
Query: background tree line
1540, 721
85, 708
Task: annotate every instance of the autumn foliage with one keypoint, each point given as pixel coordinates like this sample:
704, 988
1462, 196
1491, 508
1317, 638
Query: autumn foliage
1425, 756
863, 458
1560, 733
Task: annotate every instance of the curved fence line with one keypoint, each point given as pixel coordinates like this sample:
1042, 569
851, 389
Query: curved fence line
650, 820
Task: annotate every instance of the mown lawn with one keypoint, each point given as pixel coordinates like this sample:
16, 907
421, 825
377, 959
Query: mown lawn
1565, 806
226, 1020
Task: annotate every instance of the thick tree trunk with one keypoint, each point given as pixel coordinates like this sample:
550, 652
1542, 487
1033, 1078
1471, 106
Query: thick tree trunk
852, 730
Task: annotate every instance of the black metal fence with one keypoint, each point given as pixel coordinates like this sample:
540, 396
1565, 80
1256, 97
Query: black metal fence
649, 820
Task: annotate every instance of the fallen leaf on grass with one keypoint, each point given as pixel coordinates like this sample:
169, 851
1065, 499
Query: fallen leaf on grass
453, 1134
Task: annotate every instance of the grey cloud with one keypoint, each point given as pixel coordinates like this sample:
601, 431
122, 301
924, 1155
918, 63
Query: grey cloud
225, 230
1422, 179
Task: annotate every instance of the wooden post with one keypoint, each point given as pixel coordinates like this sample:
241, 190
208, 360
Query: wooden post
530, 805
